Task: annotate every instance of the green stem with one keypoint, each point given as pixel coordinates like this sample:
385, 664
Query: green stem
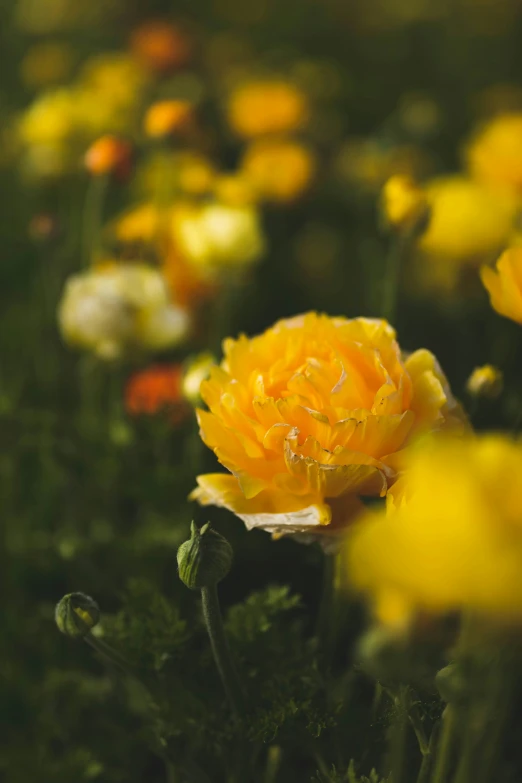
273, 762
329, 609
220, 649
93, 217
398, 737
445, 746
402, 246
109, 653
427, 758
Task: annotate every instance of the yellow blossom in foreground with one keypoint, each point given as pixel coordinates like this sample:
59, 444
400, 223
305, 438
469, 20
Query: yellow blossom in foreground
505, 284
403, 202
262, 107
278, 170
486, 381
310, 415
456, 540
218, 236
118, 307
494, 155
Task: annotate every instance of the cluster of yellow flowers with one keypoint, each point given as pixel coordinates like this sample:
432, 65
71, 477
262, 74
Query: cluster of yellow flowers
189, 223
473, 216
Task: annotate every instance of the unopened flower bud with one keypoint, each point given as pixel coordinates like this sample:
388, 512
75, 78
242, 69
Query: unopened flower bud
451, 683
168, 117
197, 370
205, 559
404, 204
486, 381
108, 155
76, 614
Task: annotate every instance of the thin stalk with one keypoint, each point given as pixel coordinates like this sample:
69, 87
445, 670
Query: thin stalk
427, 758
329, 608
220, 649
445, 746
402, 245
273, 762
398, 737
93, 217
109, 653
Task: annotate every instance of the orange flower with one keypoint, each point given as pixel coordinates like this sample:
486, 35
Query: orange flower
155, 389
257, 108
505, 285
161, 46
108, 155
310, 415
166, 117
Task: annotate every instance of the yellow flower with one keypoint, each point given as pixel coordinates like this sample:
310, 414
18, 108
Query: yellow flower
456, 541
50, 119
166, 117
486, 381
108, 155
494, 155
505, 285
469, 224
197, 370
147, 224
311, 414
403, 202
262, 107
117, 307
278, 170
217, 236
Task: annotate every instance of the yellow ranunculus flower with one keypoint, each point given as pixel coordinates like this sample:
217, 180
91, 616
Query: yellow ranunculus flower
261, 107
468, 221
278, 170
494, 155
311, 414
117, 307
455, 540
485, 381
403, 201
469, 224
505, 285
218, 236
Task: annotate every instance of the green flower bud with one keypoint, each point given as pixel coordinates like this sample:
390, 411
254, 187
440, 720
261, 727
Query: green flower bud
451, 683
205, 559
76, 614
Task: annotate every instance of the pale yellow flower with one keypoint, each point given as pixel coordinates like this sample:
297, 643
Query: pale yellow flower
494, 155
485, 381
118, 307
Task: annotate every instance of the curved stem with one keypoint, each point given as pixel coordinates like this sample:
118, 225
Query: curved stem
93, 217
445, 746
220, 649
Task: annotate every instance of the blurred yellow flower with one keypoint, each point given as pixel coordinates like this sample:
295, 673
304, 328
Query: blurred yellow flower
234, 190
469, 224
148, 224
494, 155
261, 107
485, 381
310, 415
119, 307
505, 284
216, 237
197, 370
456, 541
166, 117
278, 169
50, 119
403, 201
